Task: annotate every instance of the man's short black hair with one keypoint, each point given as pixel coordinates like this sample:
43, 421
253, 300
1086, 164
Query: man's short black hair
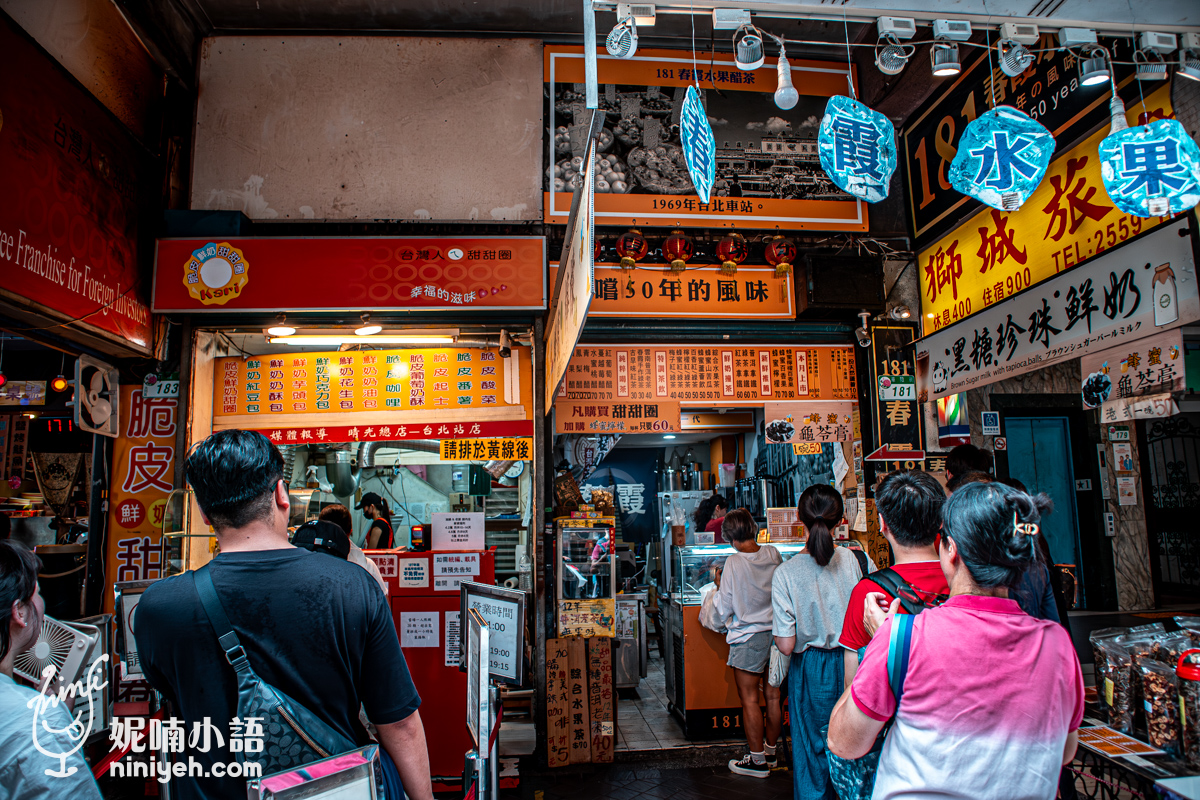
911, 503
968, 458
234, 474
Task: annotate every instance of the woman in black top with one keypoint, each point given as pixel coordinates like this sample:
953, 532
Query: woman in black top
379, 535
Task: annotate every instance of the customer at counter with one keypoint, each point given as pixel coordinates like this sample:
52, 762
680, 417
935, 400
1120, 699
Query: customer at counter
710, 514
743, 600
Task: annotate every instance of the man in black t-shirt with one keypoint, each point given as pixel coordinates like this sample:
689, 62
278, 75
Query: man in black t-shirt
316, 628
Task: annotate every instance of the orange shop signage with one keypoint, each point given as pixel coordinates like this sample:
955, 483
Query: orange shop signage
649, 416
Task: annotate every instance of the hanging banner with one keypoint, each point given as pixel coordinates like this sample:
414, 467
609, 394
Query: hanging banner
651, 416
747, 375
69, 210
574, 293
897, 423
1153, 365
1049, 91
264, 390
767, 173
350, 274
1104, 303
809, 422
485, 450
698, 293
316, 434
994, 255
142, 477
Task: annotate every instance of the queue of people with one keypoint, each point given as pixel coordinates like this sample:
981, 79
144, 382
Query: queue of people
974, 691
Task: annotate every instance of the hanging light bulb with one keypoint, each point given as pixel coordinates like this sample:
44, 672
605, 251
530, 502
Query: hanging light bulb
1093, 67
1014, 57
732, 251
781, 253
59, 384
631, 247
748, 48
786, 95
280, 328
1116, 111
943, 59
679, 249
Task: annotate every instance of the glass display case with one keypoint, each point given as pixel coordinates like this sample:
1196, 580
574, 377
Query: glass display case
695, 566
586, 563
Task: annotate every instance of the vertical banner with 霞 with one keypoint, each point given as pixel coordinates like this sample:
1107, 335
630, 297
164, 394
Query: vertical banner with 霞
142, 474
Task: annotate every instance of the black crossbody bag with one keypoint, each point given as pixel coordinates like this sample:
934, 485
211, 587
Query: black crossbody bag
294, 735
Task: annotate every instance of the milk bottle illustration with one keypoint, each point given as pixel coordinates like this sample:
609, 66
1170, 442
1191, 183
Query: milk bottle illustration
1166, 309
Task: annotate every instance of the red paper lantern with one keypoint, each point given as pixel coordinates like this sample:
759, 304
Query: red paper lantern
732, 251
678, 248
781, 253
632, 248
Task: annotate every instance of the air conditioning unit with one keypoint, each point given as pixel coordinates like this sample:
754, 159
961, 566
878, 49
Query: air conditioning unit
642, 13
1020, 32
955, 30
900, 27
1074, 37
1161, 42
97, 396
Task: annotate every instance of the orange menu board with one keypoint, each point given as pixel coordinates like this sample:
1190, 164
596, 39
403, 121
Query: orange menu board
745, 375
372, 381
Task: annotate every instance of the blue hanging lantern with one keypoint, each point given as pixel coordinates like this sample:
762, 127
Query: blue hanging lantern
1151, 170
1002, 157
699, 146
858, 148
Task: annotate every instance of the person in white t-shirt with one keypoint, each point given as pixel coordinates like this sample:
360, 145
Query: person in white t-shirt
743, 600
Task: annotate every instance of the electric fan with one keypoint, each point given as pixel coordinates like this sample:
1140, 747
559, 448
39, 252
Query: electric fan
95, 712
64, 647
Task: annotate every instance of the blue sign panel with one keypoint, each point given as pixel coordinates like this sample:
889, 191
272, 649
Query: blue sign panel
1002, 157
699, 146
1151, 170
857, 147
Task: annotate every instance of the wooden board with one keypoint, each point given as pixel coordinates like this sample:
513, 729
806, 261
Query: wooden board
578, 713
558, 750
600, 700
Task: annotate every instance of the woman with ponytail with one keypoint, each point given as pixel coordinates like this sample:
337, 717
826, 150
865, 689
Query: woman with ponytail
809, 595
992, 698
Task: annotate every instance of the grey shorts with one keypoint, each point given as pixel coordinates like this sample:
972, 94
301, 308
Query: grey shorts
751, 655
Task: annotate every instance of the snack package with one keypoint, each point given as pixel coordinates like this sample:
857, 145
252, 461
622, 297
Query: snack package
1140, 647
1116, 689
1190, 626
1098, 657
1188, 673
1167, 649
1161, 702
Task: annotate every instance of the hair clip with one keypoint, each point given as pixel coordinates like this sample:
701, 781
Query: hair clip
1027, 528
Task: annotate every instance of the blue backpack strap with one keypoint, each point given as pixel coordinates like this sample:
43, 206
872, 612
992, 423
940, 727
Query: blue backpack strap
899, 647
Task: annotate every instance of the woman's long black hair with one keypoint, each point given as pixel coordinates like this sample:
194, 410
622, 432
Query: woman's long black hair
18, 581
821, 511
706, 508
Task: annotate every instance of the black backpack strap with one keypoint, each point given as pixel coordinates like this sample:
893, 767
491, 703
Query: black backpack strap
891, 582
235, 654
862, 561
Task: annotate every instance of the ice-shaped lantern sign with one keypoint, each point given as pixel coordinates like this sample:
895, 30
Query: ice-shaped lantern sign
1151, 170
858, 148
699, 146
1002, 157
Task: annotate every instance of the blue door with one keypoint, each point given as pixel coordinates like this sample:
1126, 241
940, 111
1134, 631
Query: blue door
1039, 456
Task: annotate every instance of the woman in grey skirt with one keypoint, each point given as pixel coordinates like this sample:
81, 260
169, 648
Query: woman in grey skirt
743, 599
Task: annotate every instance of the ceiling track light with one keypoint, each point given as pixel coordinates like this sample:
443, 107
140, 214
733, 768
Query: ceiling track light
1189, 64
1014, 57
748, 49
1149, 65
1093, 67
280, 328
943, 59
786, 95
891, 57
622, 40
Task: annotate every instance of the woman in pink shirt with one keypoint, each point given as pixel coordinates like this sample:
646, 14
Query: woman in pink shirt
992, 698
709, 514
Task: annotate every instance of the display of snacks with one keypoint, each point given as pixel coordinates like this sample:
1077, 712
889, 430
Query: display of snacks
1167, 649
1191, 627
1099, 659
1188, 673
1162, 705
1117, 688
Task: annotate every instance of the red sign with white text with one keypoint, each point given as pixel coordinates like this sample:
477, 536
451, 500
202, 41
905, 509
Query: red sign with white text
387, 433
350, 274
68, 210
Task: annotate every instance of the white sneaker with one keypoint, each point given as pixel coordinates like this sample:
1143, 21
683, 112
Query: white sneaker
746, 766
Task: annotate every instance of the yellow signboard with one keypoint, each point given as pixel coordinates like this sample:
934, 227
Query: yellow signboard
587, 618
507, 449
1069, 219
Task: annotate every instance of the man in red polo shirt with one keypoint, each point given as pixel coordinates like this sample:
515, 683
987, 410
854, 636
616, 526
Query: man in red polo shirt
910, 517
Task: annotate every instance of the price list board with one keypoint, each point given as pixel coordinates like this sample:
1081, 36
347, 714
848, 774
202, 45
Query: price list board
743, 375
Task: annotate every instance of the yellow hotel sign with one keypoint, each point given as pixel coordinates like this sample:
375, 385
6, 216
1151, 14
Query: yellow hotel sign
1069, 219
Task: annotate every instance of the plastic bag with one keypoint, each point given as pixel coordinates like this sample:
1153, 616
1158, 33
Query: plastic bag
777, 666
1100, 665
709, 617
1115, 687
1191, 627
1161, 702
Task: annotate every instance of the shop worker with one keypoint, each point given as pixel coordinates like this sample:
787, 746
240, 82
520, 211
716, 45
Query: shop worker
992, 698
25, 729
316, 628
379, 535
910, 516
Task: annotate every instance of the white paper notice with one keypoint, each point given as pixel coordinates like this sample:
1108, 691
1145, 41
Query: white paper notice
1126, 490
458, 531
419, 629
414, 573
453, 643
448, 583
450, 564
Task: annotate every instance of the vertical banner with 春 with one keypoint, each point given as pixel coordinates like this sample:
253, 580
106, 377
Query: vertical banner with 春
896, 418
142, 476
